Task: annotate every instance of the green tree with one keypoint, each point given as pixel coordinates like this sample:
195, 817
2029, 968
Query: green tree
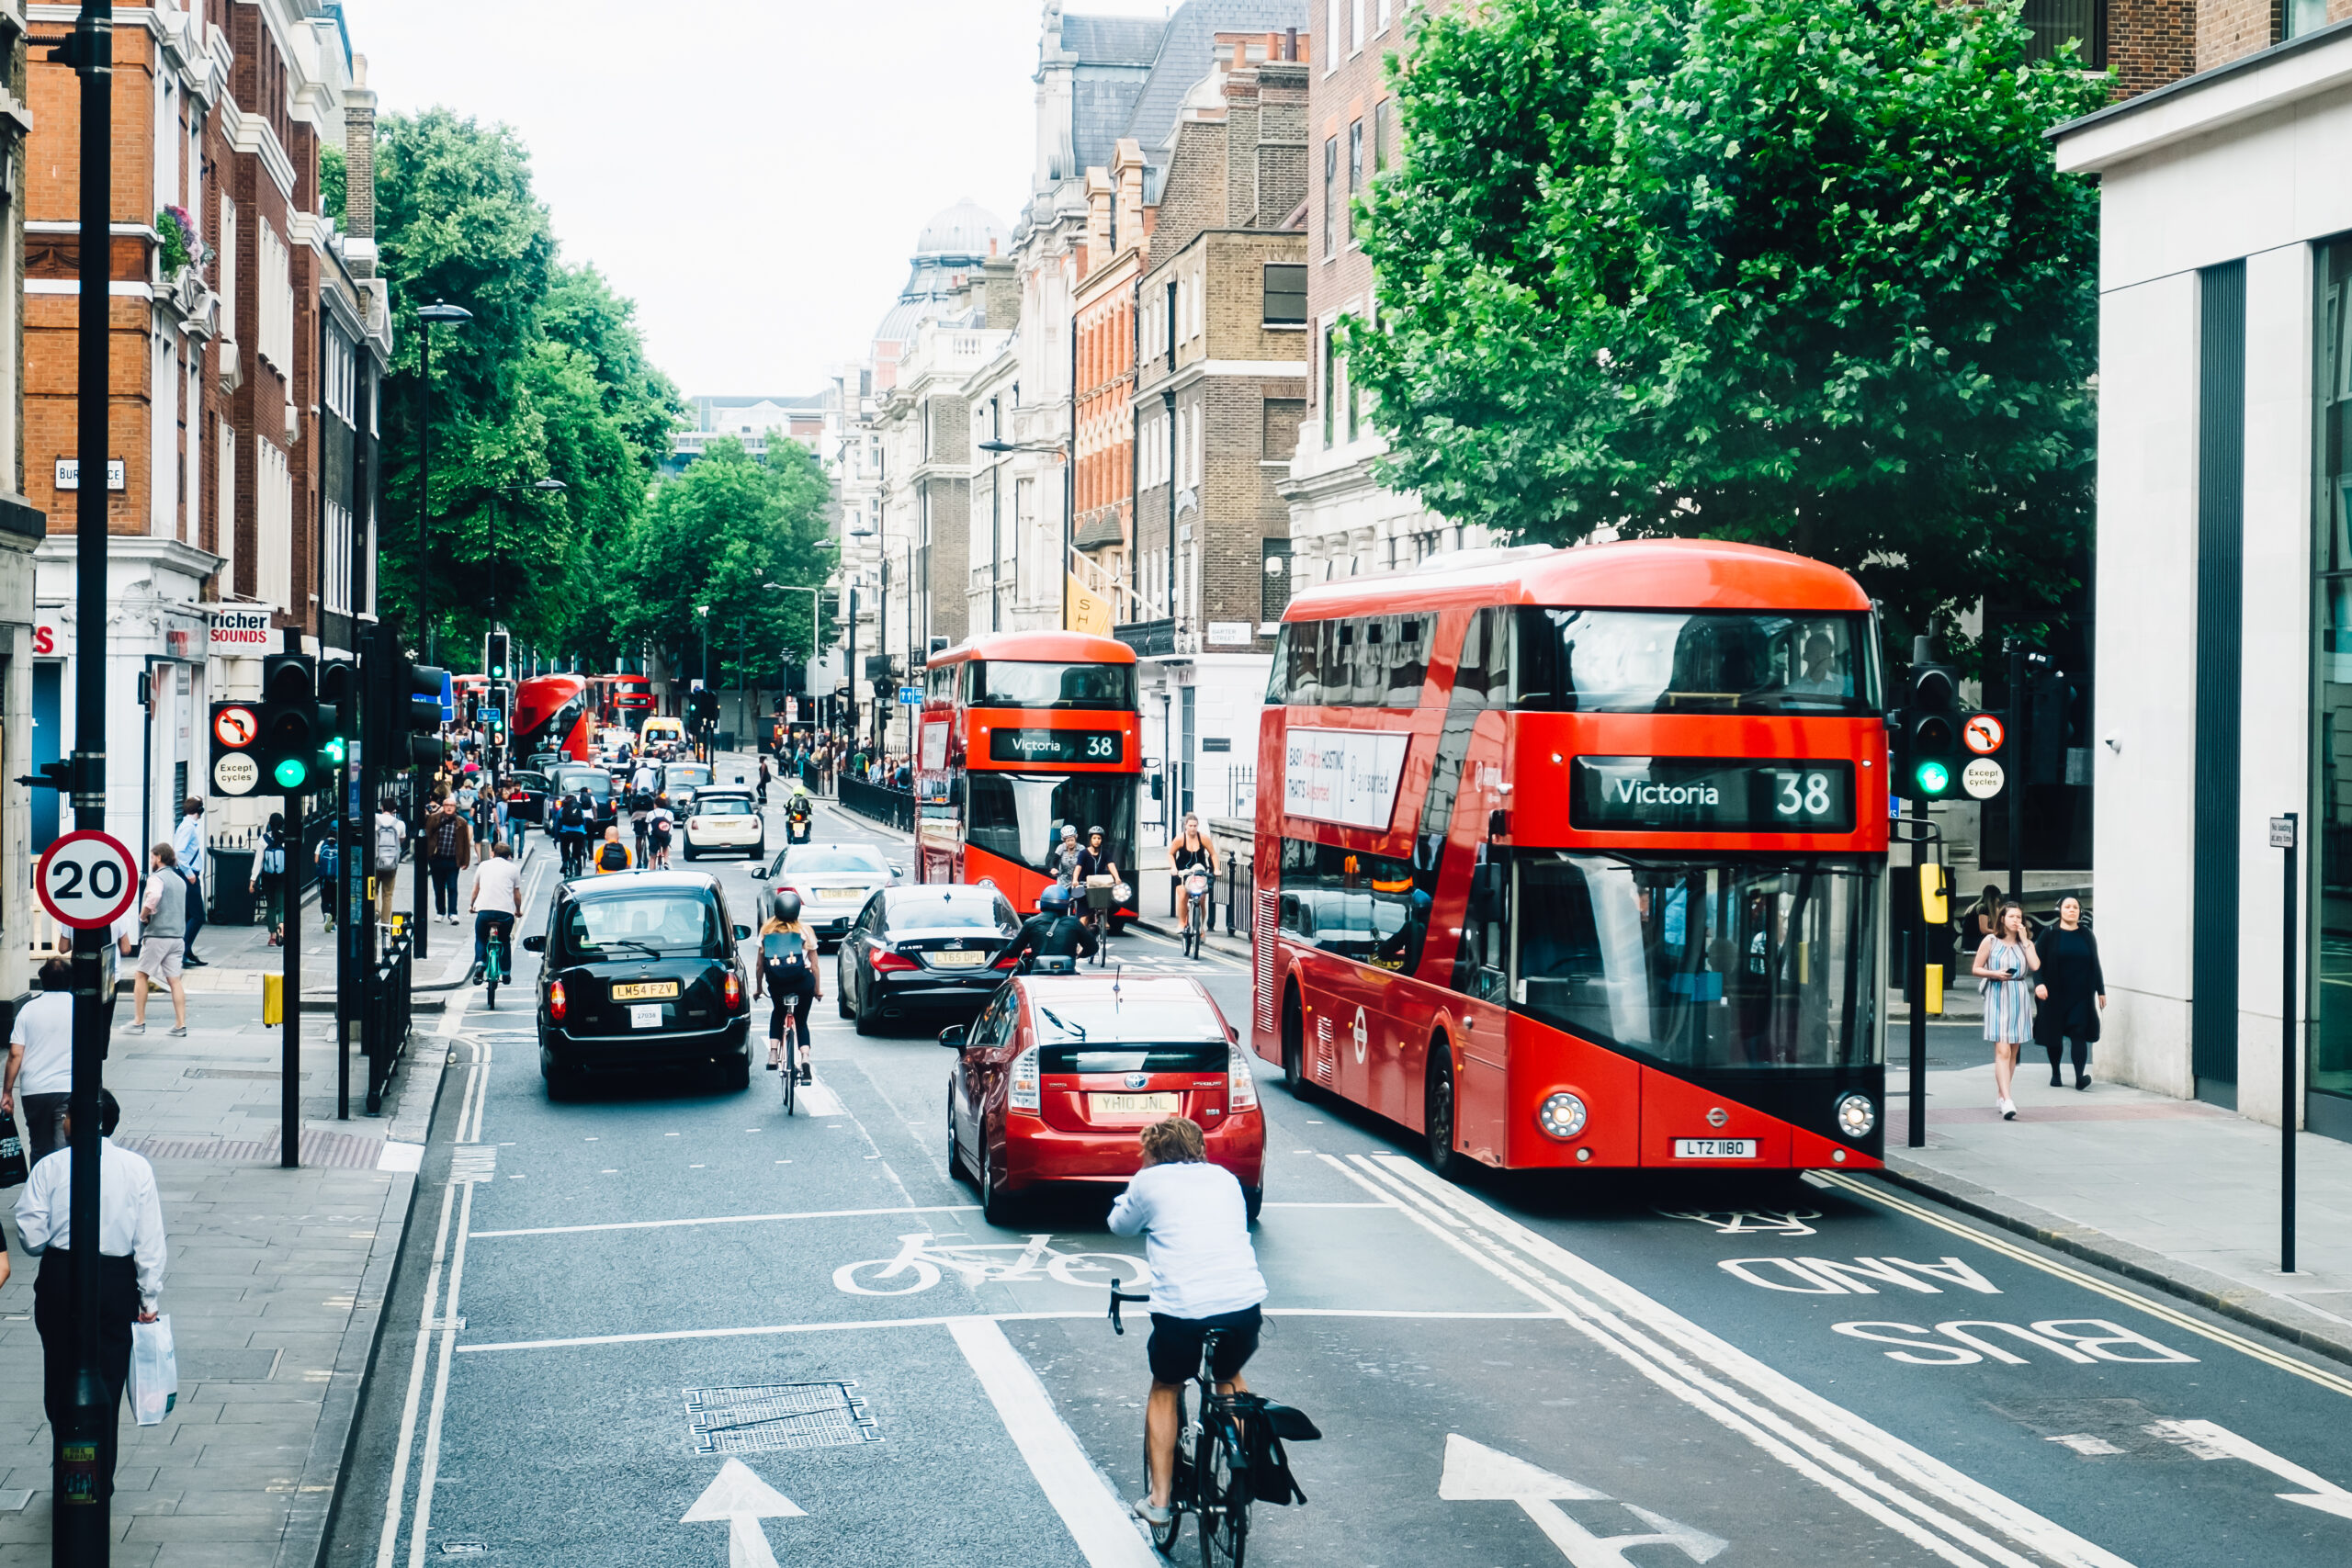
1798, 274
714, 536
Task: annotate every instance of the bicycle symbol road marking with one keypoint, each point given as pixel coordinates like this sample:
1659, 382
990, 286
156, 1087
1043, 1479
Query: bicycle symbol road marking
921, 1261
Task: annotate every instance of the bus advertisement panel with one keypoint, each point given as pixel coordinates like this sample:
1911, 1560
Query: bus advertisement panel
553, 713
1576, 858
1020, 733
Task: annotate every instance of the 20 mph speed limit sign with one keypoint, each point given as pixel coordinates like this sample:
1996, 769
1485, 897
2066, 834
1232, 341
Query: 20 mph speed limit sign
87, 879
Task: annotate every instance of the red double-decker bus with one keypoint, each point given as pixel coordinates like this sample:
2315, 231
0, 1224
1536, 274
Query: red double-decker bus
1574, 857
553, 713
1020, 733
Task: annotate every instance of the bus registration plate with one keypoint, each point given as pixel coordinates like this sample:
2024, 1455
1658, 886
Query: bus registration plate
1714, 1148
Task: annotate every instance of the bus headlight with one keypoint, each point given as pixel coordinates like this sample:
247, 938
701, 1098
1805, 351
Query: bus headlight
1561, 1116
1857, 1115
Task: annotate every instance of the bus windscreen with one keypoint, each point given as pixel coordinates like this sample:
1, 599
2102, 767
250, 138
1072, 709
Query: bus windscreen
1012, 683
1019, 815
1694, 662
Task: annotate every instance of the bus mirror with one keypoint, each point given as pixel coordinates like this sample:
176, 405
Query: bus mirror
1498, 824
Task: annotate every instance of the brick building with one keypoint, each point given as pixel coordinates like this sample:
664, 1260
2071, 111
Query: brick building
22, 528
1118, 247
1220, 385
249, 336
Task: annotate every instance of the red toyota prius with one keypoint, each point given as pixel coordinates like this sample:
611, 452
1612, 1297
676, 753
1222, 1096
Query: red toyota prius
1058, 1074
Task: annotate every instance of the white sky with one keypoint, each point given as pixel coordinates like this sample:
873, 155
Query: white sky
753, 172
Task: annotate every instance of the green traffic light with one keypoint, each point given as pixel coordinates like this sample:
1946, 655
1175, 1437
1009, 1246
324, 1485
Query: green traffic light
290, 774
1934, 778
333, 750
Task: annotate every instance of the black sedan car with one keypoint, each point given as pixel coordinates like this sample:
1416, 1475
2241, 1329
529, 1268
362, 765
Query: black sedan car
642, 973
526, 795
926, 950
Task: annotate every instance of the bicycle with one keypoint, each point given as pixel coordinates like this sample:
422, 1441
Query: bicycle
1196, 904
785, 1051
1232, 1454
493, 965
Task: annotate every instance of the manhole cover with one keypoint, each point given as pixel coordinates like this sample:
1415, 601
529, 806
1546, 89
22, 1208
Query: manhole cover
778, 1415
465, 1549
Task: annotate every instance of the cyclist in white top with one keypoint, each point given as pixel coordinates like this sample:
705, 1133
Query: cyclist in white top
1196, 1226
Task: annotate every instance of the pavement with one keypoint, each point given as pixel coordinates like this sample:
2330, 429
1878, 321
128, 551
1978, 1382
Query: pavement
276, 1279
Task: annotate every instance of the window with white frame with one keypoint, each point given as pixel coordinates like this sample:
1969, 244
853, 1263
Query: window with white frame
274, 520
335, 588
1333, 13
276, 281
226, 479
228, 273
341, 379
1355, 23
1383, 24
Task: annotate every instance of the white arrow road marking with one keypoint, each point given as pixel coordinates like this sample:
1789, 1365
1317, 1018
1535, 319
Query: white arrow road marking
2208, 1439
1476, 1473
743, 1499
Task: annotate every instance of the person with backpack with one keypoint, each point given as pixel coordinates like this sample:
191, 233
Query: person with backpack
640, 818
787, 968
572, 831
391, 833
657, 832
611, 856
330, 868
1052, 932
269, 878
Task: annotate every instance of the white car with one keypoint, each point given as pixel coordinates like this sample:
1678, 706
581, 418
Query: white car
723, 821
832, 880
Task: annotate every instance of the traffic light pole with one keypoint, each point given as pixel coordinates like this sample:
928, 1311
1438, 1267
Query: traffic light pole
1918, 964
289, 1012
2014, 784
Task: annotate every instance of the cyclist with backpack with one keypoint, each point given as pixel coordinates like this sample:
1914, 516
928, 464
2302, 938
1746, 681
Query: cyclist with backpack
657, 832
572, 832
641, 819
787, 968
1196, 1225
611, 856
1052, 932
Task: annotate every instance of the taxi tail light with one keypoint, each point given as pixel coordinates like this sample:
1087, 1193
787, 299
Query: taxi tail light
1241, 1090
557, 1003
884, 962
734, 990
1023, 1090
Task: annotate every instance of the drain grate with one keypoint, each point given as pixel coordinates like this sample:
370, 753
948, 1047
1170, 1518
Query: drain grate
778, 1415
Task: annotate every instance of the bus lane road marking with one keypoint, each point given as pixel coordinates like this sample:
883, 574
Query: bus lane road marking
1474, 1472
1903, 1488
2333, 1381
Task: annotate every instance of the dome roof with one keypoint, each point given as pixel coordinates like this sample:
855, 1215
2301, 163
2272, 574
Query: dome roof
966, 229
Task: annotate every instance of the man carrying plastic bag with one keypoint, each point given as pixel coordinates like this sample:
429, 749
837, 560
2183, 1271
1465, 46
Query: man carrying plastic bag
154, 1371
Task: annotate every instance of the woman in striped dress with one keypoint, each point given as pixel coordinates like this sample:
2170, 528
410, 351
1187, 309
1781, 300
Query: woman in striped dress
2005, 963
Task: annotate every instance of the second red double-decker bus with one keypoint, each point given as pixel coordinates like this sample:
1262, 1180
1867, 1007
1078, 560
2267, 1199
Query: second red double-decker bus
1021, 732
1574, 859
552, 713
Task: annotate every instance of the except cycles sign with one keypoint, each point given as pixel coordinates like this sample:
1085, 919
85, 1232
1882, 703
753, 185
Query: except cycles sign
87, 879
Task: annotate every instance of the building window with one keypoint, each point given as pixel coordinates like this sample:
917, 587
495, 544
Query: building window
1355, 25
2050, 23
1278, 438
1382, 26
228, 270
1355, 173
1330, 385
2305, 17
2330, 1077
1285, 294
1330, 197
274, 520
1331, 32
1384, 134
276, 282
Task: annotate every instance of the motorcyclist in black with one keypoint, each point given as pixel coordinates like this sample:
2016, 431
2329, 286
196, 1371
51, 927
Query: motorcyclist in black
1052, 932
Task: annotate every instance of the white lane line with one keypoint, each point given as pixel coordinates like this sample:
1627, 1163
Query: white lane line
388, 1544
820, 1101
1666, 1373
848, 1325
429, 1469
737, 1220
2327, 1380
1879, 1448
1327, 1205
1099, 1523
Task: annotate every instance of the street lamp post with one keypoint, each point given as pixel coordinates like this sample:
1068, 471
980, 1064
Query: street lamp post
456, 315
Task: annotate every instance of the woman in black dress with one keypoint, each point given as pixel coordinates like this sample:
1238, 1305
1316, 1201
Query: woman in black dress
2072, 991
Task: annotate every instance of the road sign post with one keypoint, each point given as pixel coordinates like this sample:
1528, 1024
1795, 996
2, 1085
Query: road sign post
87, 879
2283, 835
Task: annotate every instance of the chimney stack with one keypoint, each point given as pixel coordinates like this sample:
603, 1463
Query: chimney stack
360, 171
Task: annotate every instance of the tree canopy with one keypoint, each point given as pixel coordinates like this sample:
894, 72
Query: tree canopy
1802, 275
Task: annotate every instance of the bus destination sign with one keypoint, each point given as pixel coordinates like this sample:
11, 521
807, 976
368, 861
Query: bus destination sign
1711, 795
1055, 746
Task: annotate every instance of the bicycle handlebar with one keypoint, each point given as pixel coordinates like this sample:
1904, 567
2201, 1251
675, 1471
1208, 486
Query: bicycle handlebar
1117, 1296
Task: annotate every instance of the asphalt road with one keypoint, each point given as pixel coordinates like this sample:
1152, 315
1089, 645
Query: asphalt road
601, 1305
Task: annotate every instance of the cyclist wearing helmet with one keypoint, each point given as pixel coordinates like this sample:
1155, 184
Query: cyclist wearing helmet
1061, 862
787, 967
1051, 932
1095, 860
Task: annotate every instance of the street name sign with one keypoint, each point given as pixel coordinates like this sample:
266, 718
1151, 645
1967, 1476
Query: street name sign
87, 879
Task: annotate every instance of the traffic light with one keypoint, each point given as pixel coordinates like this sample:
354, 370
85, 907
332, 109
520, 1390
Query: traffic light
2052, 728
339, 706
494, 661
293, 726
1928, 754
417, 712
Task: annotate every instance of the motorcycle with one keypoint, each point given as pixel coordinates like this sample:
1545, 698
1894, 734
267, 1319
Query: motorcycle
800, 823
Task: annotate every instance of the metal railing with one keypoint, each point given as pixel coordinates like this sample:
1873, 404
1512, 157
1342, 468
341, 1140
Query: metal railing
384, 1015
879, 803
1241, 792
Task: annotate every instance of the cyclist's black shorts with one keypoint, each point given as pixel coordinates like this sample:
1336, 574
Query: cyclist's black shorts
1175, 1347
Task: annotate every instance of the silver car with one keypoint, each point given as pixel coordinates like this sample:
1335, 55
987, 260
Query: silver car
833, 882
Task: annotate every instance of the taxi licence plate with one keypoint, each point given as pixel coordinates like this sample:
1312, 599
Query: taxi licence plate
649, 990
1133, 1104
1714, 1148
955, 959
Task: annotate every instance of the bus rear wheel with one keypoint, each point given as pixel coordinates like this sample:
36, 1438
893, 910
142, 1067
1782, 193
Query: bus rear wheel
1438, 1114
1294, 1045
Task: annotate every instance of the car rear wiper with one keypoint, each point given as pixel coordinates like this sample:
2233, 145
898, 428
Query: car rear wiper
650, 950
1051, 1017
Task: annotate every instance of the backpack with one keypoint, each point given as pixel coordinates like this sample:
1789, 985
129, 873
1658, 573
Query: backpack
571, 817
273, 859
784, 953
613, 857
387, 846
641, 801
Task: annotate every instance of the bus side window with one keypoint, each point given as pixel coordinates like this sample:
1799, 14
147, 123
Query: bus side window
1408, 662
1479, 964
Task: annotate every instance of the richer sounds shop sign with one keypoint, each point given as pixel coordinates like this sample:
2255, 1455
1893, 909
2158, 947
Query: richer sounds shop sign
241, 632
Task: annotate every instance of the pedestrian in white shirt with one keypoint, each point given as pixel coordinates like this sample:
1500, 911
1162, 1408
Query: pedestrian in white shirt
41, 1060
132, 1253
1196, 1225
188, 845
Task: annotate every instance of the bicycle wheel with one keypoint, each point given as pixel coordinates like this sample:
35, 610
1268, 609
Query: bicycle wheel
791, 1066
1224, 1479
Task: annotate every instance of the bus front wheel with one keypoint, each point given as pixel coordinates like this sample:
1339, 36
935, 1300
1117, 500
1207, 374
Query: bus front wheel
1438, 1114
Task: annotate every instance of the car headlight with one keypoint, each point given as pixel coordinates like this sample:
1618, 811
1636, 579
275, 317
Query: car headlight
1561, 1116
1856, 1115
